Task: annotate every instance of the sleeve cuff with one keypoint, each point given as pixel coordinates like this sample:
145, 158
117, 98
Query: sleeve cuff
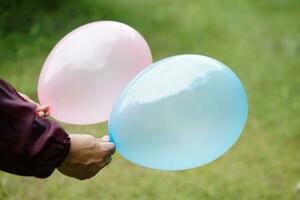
59, 153
55, 148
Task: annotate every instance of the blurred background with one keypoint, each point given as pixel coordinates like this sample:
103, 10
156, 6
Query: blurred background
258, 39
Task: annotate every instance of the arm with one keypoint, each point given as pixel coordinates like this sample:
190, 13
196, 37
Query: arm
29, 145
35, 146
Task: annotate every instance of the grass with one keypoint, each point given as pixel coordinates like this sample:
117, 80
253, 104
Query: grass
259, 40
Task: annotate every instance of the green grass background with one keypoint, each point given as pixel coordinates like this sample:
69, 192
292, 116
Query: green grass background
258, 39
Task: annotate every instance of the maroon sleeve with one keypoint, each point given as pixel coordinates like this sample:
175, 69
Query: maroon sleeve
29, 145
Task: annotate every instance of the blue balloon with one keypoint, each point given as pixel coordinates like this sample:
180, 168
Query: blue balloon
179, 113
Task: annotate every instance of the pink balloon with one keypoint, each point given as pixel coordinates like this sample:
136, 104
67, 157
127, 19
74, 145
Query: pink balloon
88, 69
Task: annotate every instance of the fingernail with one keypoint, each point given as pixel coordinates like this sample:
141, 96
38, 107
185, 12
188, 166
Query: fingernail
41, 114
106, 138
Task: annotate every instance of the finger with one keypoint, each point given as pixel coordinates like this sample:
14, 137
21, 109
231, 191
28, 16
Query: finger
95, 168
105, 138
40, 113
106, 148
108, 160
44, 108
114, 149
110, 147
105, 162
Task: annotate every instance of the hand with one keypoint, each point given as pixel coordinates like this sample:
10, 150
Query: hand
87, 156
41, 110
